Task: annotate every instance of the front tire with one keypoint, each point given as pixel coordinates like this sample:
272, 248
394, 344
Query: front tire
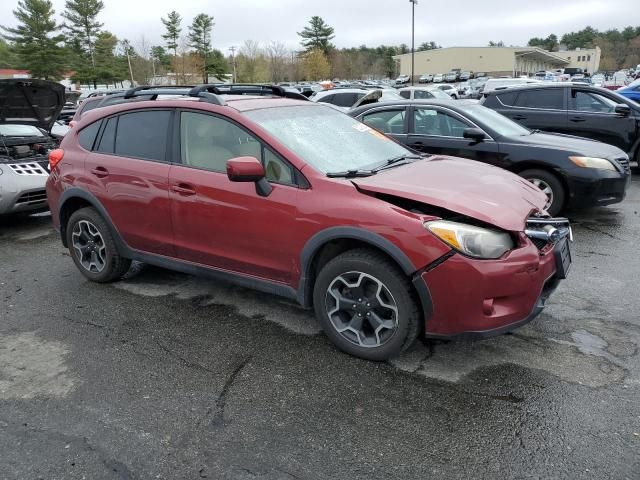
366, 306
550, 186
92, 247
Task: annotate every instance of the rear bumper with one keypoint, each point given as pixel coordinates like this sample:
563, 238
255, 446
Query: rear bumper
593, 192
481, 298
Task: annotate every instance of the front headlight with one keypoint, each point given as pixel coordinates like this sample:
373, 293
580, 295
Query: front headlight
593, 162
474, 241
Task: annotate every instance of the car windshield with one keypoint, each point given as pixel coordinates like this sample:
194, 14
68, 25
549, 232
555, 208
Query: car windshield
20, 131
502, 125
327, 139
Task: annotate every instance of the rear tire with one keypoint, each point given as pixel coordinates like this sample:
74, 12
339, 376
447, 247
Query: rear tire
550, 185
366, 305
93, 248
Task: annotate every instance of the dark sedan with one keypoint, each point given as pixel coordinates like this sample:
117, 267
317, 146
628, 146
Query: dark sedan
573, 172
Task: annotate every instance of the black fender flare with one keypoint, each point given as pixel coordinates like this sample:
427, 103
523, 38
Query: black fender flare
75, 192
317, 241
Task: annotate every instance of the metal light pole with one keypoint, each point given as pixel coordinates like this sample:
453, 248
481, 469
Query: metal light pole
413, 37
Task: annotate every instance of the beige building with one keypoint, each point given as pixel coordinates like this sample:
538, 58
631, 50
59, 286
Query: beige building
587, 59
496, 61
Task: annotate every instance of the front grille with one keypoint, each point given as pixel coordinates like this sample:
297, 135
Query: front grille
546, 231
37, 196
624, 163
31, 168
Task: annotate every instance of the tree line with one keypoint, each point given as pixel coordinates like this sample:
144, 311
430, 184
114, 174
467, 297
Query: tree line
620, 48
80, 43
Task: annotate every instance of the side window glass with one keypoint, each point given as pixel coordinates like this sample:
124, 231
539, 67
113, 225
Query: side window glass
108, 136
508, 99
143, 135
277, 170
433, 122
405, 94
327, 99
547, 98
345, 99
421, 94
87, 135
387, 121
207, 142
591, 102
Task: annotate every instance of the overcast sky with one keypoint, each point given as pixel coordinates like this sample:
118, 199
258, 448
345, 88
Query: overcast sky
356, 22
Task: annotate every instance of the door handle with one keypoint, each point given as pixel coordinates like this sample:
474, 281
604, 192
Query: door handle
519, 117
100, 172
577, 119
184, 189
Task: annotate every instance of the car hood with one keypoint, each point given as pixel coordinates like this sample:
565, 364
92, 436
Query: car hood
31, 102
570, 143
489, 194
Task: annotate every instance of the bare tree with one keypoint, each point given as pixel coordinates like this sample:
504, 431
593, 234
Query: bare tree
277, 57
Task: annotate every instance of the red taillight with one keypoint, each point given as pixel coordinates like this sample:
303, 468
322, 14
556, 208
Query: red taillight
54, 157
73, 123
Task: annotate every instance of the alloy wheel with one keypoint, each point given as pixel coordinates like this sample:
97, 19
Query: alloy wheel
545, 188
362, 309
89, 245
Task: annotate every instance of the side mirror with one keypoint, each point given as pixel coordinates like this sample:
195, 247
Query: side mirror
623, 109
474, 134
249, 169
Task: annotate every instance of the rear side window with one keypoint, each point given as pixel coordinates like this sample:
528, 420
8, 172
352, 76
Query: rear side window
405, 94
88, 106
143, 135
508, 98
108, 138
547, 98
87, 135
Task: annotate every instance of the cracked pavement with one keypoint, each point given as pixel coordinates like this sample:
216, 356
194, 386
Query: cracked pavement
165, 375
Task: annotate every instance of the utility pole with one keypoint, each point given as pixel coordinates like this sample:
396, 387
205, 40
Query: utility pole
233, 61
413, 37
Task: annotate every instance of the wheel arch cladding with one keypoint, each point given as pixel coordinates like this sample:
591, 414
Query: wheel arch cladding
345, 238
74, 199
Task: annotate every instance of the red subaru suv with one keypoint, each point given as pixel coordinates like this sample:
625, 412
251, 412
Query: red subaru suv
297, 199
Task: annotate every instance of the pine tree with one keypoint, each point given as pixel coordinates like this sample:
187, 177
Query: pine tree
36, 44
172, 36
82, 24
317, 35
200, 39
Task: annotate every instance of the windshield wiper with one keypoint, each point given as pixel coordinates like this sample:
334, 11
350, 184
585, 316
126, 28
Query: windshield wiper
399, 160
351, 174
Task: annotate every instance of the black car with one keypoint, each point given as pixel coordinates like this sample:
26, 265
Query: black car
573, 172
576, 109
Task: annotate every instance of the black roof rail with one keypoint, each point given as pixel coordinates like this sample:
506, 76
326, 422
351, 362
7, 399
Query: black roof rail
132, 91
250, 89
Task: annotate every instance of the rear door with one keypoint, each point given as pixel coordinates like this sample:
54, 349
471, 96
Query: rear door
536, 108
128, 171
592, 115
224, 224
439, 131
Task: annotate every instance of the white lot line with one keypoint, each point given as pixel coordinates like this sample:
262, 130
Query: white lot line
31, 366
575, 352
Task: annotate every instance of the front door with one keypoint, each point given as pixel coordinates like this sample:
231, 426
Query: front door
439, 131
592, 115
224, 224
128, 172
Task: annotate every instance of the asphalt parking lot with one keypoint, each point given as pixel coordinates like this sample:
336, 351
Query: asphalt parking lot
169, 376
